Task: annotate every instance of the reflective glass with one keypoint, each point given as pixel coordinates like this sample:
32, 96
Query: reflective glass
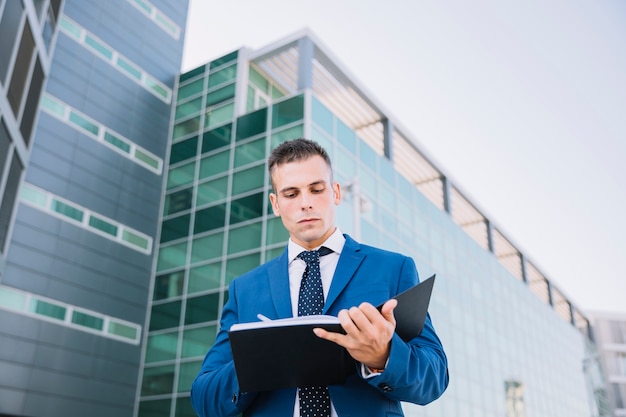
224, 59
87, 320
103, 225
187, 373
13, 300
162, 347
190, 89
175, 228
250, 152
346, 137
135, 239
181, 175
172, 256
218, 115
248, 179
183, 406
208, 247
155, 408
187, 127
205, 277
219, 95
147, 159
9, 27
244, 238
202, 309
293, 132
67, 210
196, 342
321, 116
223, 75
288, 111
123, 330
276, 232
98, 47
214, 164
246, 208
185, 149
47, 309
345, 163
83, 123
258, 80
210, 218
192, 74
116, 141
168, 285
157, 380
178, 201
188, 108
128, 67
216, 138
211, 191
165, 315
240, 265
251, 124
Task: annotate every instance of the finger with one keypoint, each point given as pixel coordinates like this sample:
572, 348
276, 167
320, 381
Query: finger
387, 310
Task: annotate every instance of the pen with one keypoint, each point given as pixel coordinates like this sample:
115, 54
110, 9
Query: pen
263, 318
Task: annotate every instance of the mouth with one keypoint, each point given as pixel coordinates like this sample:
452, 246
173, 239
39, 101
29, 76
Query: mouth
307, 221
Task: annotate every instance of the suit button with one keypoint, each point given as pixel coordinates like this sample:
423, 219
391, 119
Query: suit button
234, 398
385, 387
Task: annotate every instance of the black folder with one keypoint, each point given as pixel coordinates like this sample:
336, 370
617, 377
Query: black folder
286, 353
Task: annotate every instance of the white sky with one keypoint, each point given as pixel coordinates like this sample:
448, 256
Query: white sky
522, 104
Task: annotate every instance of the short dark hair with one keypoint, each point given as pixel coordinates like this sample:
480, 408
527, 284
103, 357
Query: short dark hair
295, 150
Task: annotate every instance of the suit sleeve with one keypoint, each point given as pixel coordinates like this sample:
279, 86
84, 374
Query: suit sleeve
417, 371
215, 391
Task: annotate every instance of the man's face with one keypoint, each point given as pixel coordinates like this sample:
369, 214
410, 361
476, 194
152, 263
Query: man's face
304, 198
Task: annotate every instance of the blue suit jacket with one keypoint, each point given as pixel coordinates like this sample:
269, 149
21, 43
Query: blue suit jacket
416, 372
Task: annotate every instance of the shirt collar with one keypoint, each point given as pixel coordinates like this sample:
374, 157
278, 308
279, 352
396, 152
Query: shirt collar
334, 242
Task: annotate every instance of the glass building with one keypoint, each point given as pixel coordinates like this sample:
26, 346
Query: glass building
87, 90
131, 195
515, 343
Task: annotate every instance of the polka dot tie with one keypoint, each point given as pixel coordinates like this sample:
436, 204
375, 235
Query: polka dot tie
314, 401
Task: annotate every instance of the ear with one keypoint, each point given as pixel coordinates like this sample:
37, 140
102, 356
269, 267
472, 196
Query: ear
337, 192
274, 202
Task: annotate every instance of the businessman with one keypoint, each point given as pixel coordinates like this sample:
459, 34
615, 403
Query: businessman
354, 279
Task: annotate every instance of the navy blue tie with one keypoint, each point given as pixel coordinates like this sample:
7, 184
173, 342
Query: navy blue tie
314, 401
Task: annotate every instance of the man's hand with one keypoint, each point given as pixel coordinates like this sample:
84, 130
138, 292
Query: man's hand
368, 333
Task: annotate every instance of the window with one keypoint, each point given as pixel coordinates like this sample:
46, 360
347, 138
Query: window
252, 124
9, 27
216, 138
223, 75
21, 70
7, 201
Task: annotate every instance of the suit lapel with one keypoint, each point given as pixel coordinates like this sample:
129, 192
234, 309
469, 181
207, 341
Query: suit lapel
278, 277
350, 259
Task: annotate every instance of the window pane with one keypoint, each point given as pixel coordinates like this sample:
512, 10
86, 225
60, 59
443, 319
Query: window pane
47, 309
249, 179
216, 138
202, 309
123, 330
10, 194
212, 191
128, 67
258, 80
87, 320
30, 108
205, 277
252, 124
209, 247
288, 111
178, 201
224, 59
250, 152
155, 408
161, 347
214, 164
158, 380
33, 196
20, 70
218, 115
210, 218
135, 239
13, 300
172, 256
188, 372
169, 285
246, 208
188, 108
287, 134
238, 266
192, 74
181, 175
9, 26
223, 75
116, 141
175, 228
322, 116
98, 47
196, 342
219, 95
67, 210
103, 225
244, 238
276, 232
83, 123
165, 315
190, 89
184, 150
146, 158
187, 127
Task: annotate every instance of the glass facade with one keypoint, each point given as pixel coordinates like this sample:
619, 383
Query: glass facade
511, 353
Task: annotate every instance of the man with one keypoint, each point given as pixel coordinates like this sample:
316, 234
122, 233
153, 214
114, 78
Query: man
355, 278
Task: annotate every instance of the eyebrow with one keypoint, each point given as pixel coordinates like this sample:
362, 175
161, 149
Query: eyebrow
314, 183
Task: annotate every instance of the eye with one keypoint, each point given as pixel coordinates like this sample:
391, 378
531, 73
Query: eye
318, 190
